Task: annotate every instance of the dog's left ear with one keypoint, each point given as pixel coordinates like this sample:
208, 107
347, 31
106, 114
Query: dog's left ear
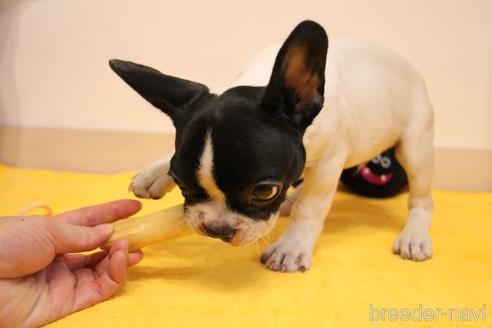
296, 88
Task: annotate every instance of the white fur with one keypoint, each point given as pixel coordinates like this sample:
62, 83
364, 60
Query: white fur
153, 181
205, 172
373, 100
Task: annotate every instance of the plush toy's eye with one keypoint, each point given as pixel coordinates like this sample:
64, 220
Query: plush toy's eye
265, 192
385, 162
376, 159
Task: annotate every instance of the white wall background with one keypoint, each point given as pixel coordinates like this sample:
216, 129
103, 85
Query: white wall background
53, 54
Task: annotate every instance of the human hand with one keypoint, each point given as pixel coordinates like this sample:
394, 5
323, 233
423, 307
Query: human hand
41, 280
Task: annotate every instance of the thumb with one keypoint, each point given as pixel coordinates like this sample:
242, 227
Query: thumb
69, 238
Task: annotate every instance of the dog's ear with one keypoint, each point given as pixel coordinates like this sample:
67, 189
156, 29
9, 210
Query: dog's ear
170, 94
296, 87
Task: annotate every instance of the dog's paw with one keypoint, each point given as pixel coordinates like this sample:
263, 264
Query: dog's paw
413, 245
287, 255
152, 182
148, 186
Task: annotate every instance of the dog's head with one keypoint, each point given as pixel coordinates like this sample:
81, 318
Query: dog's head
237, 153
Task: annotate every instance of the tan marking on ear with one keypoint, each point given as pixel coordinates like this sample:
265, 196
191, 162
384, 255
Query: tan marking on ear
297, 75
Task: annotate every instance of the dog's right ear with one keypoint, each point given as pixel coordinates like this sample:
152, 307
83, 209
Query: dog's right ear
170, 94
296, 88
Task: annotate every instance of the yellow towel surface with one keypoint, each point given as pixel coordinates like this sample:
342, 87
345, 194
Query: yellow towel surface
196, 281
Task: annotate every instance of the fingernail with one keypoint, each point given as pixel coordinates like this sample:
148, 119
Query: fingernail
106, 228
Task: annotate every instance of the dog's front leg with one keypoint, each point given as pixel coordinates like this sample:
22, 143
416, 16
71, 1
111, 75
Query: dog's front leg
153, 181
293, 250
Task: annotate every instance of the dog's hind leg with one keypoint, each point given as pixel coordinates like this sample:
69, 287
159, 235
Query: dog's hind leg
415, 153
153, 181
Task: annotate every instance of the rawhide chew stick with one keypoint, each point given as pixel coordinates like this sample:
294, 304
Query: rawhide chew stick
150, 229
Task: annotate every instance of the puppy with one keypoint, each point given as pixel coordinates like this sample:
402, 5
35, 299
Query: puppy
295, 112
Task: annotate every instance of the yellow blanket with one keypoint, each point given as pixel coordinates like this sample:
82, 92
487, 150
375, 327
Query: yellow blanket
196, 281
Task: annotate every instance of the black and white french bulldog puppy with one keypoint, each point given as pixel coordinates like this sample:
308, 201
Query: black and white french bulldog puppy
295, 112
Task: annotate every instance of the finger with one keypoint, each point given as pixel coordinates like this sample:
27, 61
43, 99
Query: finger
109, 276
78, 261
135, 257
120, 244
68, 238
117, 267
103, 213
61, 283
112, 275
86, 273
84, 276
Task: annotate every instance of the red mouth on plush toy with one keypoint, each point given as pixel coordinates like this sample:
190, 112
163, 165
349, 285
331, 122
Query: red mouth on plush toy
374, 178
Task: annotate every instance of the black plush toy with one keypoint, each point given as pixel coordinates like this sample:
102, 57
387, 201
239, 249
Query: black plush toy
381, 177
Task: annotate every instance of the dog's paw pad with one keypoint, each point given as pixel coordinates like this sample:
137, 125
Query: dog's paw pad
287, 256
416, 247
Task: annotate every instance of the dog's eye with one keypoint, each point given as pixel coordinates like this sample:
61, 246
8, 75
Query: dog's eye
265, 191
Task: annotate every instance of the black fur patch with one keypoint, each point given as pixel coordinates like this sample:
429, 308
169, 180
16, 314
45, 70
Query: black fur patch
249, 146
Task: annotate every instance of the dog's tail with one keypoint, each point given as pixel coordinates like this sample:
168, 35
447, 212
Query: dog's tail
381, 177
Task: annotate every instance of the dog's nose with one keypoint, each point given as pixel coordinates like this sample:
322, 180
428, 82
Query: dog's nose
224, 233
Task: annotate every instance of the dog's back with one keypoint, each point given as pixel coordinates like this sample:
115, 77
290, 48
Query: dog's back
370, 98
